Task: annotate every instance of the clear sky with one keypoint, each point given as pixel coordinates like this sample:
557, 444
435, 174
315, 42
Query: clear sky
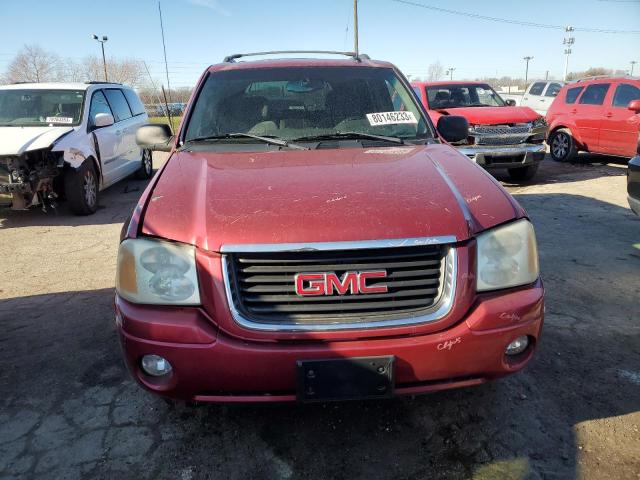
202, 32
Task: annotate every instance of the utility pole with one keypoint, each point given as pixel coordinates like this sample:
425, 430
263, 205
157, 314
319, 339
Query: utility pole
633, 63
526, 72
104, 59
546, 75
568, 41
355, 27
164, 48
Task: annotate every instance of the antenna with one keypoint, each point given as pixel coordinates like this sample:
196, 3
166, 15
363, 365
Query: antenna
164, 48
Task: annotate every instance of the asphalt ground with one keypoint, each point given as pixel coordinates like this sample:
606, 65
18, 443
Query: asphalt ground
68, 408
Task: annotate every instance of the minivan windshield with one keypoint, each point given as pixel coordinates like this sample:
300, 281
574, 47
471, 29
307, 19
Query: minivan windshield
461, 95
36, 107
302, 103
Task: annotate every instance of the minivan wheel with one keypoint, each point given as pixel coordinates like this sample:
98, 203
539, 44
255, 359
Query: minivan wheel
562, 146
81, 189
523, 173
145, 171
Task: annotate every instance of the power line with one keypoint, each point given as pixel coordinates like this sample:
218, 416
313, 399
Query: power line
511, 21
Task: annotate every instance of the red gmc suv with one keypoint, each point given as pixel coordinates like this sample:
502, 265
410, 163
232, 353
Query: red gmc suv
312, 236
598, 115
501, 134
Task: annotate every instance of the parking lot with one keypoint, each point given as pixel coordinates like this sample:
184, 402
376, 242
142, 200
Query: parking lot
70, 409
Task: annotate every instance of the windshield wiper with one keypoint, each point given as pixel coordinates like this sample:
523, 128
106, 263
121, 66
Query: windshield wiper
351, 135
271, 140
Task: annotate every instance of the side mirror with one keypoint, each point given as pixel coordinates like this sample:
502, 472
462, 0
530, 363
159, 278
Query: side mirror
510, 102
103, 120
634, 105
155, 136
453, 128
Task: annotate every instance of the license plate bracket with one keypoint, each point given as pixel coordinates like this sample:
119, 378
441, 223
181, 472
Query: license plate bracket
345, 378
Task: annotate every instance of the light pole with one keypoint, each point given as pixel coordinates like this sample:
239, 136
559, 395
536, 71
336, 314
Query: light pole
633, 63
526, 72
450, 72
104, 60
568, 41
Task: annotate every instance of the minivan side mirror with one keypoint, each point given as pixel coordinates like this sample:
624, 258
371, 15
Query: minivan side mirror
453, 128
634, 105
510, 102
103, 120
155, 136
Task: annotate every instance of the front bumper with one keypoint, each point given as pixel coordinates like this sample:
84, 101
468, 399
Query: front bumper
505, 156
209, 365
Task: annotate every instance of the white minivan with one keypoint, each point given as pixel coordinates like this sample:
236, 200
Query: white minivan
540, 95
68, 140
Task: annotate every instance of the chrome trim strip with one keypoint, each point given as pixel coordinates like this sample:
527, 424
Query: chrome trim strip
498, 150
439, 309
318, 246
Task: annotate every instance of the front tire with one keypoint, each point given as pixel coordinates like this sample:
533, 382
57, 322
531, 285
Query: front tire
81, 189
523, 173
145, 172
562, 146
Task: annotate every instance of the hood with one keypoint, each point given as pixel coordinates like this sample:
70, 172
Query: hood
493, 115
211, 199
18, 140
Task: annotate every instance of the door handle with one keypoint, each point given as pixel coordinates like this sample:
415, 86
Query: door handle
118, 132
542, 100
609, 115
574, 111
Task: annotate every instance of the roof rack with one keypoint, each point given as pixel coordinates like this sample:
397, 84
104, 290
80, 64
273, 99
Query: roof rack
600, 77
96, 82
354, 55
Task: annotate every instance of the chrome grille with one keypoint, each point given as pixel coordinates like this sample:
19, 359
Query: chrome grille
501, 134
261, 287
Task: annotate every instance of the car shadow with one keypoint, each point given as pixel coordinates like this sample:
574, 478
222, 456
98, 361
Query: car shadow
61, 361
587, 166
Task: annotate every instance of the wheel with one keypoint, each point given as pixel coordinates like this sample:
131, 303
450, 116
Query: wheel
81, 189
145, 171
562, 146
523, 173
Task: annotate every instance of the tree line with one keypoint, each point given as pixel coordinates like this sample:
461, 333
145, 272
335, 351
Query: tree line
437, 72
35, 64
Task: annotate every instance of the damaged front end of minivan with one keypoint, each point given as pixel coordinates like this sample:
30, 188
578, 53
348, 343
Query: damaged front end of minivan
36, 177
32, 178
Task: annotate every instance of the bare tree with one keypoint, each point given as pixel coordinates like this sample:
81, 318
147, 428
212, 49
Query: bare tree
128, 70
70, 71
435, 71
33, 64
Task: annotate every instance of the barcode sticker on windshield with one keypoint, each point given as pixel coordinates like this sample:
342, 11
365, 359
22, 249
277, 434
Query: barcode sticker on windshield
59, 120
390, 118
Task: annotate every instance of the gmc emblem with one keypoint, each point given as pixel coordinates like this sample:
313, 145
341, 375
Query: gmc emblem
329, 283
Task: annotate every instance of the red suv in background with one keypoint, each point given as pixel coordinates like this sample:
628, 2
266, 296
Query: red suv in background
600, 115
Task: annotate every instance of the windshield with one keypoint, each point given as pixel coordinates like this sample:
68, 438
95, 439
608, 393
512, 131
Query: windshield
40, 107
455, 96
294, 103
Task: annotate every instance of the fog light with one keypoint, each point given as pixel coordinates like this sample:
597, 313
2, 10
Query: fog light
519, 345
155, 365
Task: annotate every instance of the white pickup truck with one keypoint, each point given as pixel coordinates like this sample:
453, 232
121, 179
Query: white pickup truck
538, 96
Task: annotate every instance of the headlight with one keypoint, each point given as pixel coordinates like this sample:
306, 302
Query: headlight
157, 272
539, 122
507, 257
